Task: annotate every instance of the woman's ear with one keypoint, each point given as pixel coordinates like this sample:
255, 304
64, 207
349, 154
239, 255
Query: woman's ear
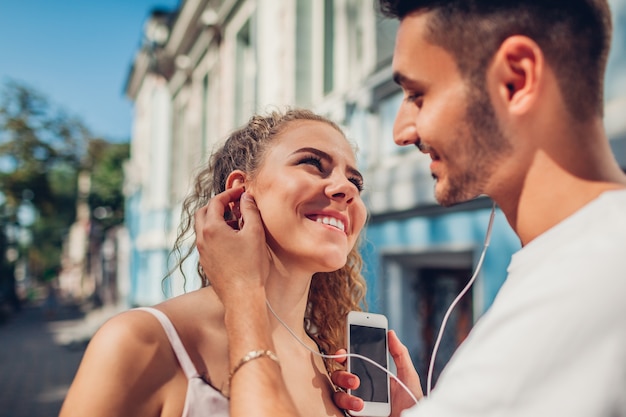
236, 178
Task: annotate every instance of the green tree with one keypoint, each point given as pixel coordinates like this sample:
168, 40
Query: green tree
106, 198
42, 150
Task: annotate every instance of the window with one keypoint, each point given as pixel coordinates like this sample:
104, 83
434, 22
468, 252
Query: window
178, 150
357, 123
420, 286
304, 48
385, 40
354, 23
435, 289
329, 45
387, 111
245, 74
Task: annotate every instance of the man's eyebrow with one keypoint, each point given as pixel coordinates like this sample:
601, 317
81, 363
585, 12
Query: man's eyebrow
399, 78
406, 82
327, 157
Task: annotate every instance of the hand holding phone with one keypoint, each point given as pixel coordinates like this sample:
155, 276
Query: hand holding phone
367, 336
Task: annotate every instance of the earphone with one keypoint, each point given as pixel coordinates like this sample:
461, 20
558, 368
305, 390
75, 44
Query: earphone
441, 329
479, 265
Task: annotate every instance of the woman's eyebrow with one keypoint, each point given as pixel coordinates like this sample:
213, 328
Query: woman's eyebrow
315, 151
325, 156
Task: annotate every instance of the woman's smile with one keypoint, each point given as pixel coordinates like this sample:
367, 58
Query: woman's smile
331, 220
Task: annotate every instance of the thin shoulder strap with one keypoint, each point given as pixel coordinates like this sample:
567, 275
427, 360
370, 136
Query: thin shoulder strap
177, 345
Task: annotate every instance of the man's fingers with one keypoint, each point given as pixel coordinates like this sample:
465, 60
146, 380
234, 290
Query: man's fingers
404, 365
250, 215
399, 352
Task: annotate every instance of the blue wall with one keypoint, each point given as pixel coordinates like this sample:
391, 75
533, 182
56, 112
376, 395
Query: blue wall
459, 228
148, 267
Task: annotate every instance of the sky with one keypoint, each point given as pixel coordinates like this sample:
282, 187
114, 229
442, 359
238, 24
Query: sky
78, 54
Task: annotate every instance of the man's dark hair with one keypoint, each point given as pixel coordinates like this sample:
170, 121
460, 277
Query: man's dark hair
574, 35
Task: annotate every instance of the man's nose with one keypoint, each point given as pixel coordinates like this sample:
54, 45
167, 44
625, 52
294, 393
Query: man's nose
404, 128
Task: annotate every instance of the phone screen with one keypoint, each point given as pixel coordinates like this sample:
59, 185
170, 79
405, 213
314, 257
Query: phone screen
370, 342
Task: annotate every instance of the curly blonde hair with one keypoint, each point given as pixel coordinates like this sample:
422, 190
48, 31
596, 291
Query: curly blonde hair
332, 294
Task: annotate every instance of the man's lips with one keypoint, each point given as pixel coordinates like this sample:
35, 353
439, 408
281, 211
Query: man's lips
434, 157
427, 149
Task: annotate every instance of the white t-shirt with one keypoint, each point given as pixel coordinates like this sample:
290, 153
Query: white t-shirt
554, 341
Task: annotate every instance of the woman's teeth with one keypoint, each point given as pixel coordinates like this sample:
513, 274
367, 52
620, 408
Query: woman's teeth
331, 221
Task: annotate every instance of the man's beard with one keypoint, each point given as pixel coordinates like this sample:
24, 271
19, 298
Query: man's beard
484, 145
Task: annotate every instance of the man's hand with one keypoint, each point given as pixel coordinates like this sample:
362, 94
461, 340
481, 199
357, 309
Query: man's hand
235, 259
400, 399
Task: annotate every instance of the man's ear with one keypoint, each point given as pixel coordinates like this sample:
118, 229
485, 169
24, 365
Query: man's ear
517, 70
236, 178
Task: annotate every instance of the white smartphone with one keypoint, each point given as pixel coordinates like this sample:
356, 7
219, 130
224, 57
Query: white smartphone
367, 336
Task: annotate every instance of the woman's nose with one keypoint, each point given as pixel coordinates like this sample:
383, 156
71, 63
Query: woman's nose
341, 187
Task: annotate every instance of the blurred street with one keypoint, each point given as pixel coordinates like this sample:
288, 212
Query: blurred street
40, 350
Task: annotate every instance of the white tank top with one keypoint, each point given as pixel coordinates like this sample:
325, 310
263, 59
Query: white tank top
202, 399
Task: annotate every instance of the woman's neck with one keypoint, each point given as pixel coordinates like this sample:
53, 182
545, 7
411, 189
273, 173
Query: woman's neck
288, 296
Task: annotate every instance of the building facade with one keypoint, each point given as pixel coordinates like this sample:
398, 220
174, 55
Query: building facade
206, 67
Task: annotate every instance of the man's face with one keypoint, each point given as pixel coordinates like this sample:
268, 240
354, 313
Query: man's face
444, 117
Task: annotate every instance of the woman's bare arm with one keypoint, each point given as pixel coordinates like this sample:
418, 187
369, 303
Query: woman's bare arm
121, 373
238, 267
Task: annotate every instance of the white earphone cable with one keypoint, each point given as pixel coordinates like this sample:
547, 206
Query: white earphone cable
345, 355
457, 299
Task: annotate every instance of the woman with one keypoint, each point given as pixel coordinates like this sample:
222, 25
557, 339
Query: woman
301, 171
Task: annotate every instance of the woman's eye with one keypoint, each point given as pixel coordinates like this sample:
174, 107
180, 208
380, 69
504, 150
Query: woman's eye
358, 183
312, 160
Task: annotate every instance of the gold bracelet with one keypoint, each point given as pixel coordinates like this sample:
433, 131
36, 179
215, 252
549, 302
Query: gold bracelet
254, 354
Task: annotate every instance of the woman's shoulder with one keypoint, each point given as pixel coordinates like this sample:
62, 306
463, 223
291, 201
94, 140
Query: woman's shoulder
198, 317
125, 366
130, 334
136, 335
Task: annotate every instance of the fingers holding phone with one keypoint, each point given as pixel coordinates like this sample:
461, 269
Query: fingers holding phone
400, 398
367, 337
373, 329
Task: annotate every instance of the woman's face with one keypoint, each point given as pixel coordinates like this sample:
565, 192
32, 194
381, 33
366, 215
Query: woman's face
308, 192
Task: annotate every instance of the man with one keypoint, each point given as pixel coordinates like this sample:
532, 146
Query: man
506, 97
